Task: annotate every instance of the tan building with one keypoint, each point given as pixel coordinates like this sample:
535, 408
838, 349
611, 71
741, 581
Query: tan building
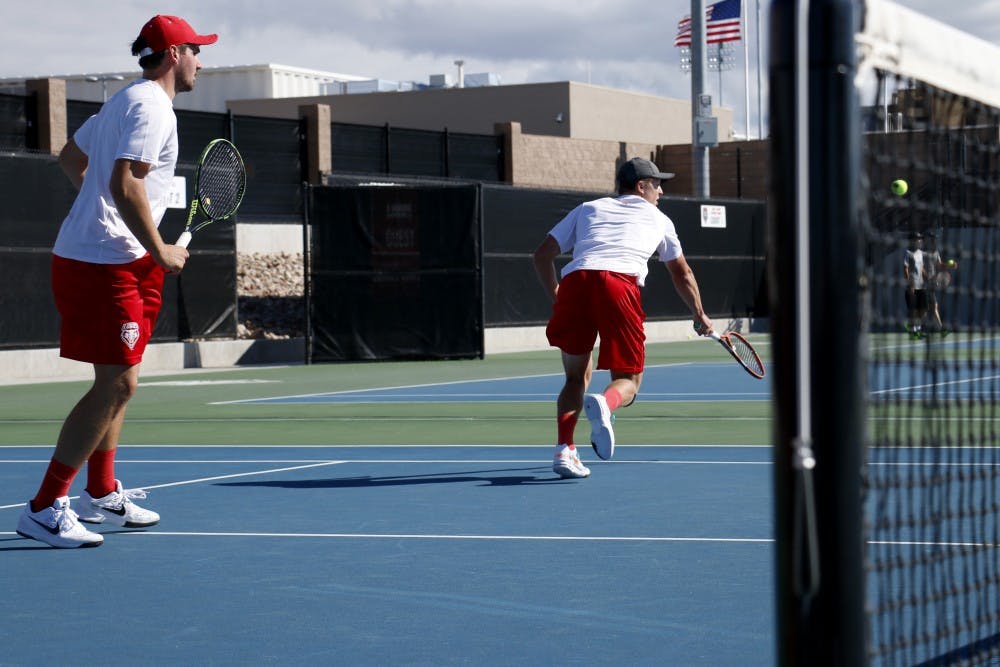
560, 109
561, 135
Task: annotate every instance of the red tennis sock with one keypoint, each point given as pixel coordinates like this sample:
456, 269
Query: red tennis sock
614, 398
101, 473
58, 478
566, 426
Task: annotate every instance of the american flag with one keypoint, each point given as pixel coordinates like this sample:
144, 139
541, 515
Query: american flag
722, 24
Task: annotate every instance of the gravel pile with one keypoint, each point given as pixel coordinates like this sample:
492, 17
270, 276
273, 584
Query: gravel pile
269, 296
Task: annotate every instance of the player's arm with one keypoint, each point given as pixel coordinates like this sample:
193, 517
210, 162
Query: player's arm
687, 289
73, 162
545, 266
129, 192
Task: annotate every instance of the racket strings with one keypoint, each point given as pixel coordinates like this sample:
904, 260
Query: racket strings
221, 181
746, 354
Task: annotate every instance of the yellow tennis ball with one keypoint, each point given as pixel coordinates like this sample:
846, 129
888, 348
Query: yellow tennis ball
951, 263
900, 187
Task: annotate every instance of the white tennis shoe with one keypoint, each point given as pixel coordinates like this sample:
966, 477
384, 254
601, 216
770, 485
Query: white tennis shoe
57, 526
116, 508
566, 463
602, 436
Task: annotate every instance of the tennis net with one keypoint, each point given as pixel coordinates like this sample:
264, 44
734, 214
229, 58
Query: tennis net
930, 187
884, 271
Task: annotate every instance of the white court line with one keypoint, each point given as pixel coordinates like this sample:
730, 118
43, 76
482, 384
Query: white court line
534, 462
938, 384
230, 420
202, 383
193, 461
435, 446
414, 536
538, 462
534, 538
212, 479
886, 543
426, 384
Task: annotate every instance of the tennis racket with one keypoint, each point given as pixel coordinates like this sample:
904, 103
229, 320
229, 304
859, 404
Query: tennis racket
742, 351
222, 181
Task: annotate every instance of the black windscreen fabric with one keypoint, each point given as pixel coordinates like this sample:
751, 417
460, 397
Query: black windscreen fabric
516, 220
77, 112
28, 315
205, 298
202, 305
195, 129
358, 148
272, 151
728, 261
395, 273
14, 125
416, 152
475, 157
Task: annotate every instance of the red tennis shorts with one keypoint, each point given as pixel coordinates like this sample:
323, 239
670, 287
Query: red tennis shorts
606, 303
108, 310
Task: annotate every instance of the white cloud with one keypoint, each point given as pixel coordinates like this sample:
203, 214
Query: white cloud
625, 44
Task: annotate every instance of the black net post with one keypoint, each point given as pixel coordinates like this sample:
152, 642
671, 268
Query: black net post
818, 366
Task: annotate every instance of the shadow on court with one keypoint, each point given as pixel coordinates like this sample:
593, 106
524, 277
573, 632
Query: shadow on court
487, 477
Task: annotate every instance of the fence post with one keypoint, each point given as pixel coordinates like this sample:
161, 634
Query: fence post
511, 133
318, 149
50, 113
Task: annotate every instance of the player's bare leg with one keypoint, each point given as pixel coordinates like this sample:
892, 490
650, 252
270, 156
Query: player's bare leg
627, 385
98, 416
578, 369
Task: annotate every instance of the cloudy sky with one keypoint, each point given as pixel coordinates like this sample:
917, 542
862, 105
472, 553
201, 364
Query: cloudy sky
625, 44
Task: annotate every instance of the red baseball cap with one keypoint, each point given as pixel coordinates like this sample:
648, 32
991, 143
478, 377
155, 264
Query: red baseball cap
161, 32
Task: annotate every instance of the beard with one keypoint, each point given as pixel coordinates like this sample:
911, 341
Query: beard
184, 84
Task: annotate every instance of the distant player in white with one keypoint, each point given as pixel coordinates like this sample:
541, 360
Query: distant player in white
915, 274
107, 278
612, 240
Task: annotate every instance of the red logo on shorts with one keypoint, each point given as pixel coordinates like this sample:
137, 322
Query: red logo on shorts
130, 334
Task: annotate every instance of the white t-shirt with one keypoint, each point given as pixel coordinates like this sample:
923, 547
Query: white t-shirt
616, 234
914, 262
137, 123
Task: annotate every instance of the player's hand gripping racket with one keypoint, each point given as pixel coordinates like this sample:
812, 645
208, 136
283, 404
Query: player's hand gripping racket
742, 351
222, 180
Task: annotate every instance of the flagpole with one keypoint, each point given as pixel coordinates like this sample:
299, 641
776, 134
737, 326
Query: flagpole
746, 68
701, 104
760, 109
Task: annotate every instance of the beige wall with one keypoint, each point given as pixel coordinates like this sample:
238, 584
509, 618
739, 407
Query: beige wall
560, 163
604, 113
588, 112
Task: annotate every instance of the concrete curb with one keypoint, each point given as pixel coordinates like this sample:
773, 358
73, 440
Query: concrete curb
45, 365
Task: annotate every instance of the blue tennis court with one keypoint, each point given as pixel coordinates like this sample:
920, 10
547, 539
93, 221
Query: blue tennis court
389, 550
674, 382
410, 555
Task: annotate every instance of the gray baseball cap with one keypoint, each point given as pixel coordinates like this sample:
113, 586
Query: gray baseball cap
638, 168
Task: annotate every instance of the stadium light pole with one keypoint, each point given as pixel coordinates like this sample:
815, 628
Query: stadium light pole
704, 133
103, 80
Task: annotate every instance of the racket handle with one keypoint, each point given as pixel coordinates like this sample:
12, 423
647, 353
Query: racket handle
699, 329
184, 239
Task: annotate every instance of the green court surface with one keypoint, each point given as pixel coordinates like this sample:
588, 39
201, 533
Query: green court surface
195, 407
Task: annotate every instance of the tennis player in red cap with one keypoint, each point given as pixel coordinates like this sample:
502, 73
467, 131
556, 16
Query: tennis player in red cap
107, 279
